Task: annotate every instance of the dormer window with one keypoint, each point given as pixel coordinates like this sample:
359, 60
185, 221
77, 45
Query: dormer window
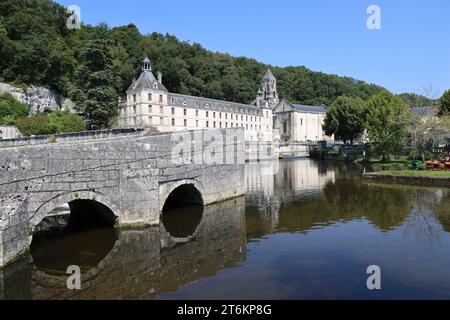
155, 85
207, 106
184, 103
172, 100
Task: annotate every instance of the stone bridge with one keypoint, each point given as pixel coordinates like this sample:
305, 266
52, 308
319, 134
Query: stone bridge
127, 179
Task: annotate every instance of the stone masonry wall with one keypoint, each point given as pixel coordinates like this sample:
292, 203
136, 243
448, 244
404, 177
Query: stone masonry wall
133, 176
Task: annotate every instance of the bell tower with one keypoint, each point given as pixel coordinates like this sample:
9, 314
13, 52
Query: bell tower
268, 91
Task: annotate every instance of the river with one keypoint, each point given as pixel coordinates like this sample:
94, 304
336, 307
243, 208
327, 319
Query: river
305, 230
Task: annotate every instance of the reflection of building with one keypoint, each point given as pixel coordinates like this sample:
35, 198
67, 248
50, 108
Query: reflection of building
142, 264
269, 184
150, 104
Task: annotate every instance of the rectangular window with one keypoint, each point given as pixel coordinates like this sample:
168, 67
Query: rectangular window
214, 115
161, 110
196, 113
160, 98
207, 124
173, 122
196, 123
185, 112
134, 110
173, 110
220, 125
161, 120
150, 109
134, 98
214, 124
220, 115
207, 114
149, 97
185, 122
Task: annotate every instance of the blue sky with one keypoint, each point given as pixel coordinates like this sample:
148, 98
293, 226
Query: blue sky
409, 53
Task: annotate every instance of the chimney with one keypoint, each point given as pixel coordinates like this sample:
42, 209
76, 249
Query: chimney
160, 77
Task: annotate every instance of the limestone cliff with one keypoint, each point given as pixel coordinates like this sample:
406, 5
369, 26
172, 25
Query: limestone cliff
38, 99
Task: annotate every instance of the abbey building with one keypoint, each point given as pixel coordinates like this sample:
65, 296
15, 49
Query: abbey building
268, 118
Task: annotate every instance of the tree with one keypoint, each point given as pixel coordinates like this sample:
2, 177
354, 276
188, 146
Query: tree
62, 121
345, 118
444, 103
96, 94
11, 109
387, 121
35, 126
425, 124
55, 122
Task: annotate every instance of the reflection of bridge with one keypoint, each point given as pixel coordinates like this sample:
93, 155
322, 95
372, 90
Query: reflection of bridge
143, 264
130, 177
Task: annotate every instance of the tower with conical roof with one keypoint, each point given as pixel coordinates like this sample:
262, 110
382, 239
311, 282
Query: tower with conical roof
268, 92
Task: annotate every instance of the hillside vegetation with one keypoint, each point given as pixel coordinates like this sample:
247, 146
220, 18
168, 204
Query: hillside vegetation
94, 65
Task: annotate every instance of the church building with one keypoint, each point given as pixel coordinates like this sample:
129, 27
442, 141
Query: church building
150, 104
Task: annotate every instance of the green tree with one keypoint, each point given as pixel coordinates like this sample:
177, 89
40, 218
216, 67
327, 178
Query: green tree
62, 121
11, 109
387, 121
345, 118
96, 94
35, 126
444, 103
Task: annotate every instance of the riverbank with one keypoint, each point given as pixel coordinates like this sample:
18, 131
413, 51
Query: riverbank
419, 177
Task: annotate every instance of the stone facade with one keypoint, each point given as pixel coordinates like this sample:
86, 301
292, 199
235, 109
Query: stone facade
132, 176
300, 123
149, 104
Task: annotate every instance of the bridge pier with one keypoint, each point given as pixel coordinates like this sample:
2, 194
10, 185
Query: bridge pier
131, 177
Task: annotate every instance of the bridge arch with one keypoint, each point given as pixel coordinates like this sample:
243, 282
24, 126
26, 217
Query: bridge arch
182, 210
96, 199
187, 191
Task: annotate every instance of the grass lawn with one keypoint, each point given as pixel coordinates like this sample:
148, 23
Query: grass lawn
412, 173
393, 164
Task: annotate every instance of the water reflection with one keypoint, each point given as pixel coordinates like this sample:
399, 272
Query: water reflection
305, 230
141, 265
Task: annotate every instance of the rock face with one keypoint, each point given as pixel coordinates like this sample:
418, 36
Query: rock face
38, 99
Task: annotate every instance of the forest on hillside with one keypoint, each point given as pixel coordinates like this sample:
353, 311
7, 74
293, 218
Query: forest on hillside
95, 64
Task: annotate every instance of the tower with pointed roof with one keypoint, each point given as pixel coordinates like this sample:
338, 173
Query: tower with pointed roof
268, 94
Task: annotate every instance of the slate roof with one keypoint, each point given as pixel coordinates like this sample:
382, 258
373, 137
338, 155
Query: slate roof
315, 109
212, 104
146, 80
